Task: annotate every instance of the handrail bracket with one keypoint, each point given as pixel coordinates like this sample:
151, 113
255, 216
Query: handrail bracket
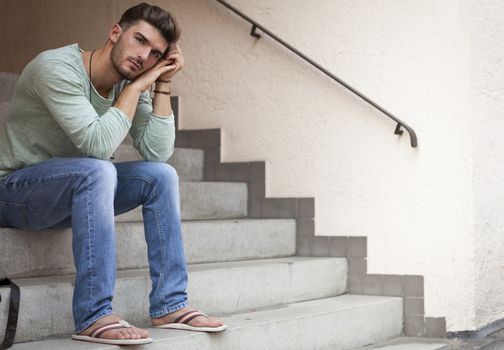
254, 33
398, 130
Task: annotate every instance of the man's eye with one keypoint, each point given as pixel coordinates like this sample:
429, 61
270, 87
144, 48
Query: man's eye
141, 40
157, 55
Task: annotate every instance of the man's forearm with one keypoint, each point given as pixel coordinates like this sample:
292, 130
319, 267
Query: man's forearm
128, 100
162, 105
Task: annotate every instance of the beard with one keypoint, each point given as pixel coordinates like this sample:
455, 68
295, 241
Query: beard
116, 55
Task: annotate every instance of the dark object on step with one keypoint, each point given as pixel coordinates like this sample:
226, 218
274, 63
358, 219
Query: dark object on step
15, 295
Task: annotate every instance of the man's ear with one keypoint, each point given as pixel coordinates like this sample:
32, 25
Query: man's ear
115, 33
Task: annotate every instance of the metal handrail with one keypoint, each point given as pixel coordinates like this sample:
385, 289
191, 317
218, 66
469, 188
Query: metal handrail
255, 26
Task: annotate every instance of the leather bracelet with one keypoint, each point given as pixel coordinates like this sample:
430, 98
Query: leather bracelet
162, 92
163, 81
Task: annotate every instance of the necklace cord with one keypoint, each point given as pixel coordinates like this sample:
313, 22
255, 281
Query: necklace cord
90, 76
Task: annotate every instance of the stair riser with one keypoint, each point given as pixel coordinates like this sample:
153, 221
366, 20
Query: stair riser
333, 331
205, 201
44, 253
188, 162
46, 309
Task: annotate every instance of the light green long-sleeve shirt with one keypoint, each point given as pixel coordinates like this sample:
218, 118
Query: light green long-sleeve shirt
50, 115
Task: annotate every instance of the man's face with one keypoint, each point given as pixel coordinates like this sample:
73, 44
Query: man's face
137, 49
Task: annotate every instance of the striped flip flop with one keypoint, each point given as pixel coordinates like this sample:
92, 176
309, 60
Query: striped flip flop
94, 337
182, 323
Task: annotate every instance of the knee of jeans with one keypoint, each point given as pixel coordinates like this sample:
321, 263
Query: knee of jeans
161, 172
101, 170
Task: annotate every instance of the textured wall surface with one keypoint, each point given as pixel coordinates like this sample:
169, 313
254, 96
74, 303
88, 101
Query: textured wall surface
418, 207
415, 205
485, 20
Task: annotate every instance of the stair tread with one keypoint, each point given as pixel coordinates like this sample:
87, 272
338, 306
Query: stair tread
198, 221
204, 241
142, 273
280, 317
217, 288
409, 343
413, 346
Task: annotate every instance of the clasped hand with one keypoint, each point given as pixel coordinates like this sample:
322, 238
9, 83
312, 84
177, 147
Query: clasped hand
165, 68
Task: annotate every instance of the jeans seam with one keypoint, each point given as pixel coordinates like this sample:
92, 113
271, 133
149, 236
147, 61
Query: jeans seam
92, 320
159, 230
43, 179
165, 311
27, 206
91, 248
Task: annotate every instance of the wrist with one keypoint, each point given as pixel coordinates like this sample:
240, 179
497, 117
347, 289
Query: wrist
134, 88
159, 92
163, 85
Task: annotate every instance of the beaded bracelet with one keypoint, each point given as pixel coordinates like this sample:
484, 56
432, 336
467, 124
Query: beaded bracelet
162, 92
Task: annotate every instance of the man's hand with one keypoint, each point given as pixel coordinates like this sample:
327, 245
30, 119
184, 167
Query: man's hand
165, 69
144, 81
162, 72
174, 56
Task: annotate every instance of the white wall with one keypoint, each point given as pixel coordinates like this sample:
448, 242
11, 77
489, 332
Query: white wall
433, 211
415, 205
485, 20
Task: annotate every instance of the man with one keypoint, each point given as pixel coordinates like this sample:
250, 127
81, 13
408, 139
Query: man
70, 111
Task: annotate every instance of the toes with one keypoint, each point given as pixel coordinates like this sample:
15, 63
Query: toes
136, 333
207, 322
215, 322
123, 334
131, 333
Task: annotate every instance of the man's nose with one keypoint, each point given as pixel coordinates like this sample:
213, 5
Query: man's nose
143, 55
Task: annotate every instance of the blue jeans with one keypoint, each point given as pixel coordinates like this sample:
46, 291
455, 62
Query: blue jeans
85, 194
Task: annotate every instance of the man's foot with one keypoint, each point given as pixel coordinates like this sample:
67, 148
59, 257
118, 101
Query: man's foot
117, 333
189, 319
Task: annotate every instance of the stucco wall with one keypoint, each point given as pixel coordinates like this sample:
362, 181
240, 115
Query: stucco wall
418, 207
485, 20
319, 140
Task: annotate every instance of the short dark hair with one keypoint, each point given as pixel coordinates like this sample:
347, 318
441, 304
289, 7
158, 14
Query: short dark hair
154, 15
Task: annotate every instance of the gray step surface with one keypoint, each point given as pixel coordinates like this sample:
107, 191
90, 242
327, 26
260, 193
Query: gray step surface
338, 323
219, 288
414, 346
188, 162
409, 343
205, 201
49, 252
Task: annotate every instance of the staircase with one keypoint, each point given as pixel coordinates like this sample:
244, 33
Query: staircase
242, 269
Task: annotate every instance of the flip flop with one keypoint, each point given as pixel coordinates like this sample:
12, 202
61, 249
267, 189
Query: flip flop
182, 323
94, 337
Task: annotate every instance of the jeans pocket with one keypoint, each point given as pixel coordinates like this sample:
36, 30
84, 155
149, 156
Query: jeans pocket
19, 215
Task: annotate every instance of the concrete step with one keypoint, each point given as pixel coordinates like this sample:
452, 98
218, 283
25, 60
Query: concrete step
219, 288
337, 323
7, 83
49, 252
188, 162
414, 346
408, 343
205, 201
